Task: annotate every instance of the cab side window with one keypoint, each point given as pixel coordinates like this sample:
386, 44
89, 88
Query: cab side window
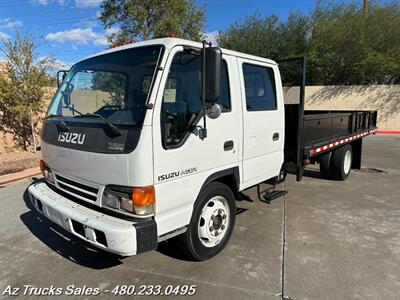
259, 83
182, 104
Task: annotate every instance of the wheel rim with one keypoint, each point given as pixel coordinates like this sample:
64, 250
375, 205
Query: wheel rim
214, 221
347, 162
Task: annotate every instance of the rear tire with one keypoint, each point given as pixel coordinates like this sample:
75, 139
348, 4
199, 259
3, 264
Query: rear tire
325, 161
282, 174
212, 222
341, 162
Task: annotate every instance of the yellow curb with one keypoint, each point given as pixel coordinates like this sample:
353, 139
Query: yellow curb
8, 178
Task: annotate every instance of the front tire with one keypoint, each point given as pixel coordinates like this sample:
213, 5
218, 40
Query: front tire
212, 222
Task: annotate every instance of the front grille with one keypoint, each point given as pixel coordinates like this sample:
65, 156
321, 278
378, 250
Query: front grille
77, 184
76, 192
77, 189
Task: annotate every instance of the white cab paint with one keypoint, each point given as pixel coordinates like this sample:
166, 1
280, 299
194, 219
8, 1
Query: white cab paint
262, 156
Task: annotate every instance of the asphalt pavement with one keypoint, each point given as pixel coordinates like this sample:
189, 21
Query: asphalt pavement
323, 240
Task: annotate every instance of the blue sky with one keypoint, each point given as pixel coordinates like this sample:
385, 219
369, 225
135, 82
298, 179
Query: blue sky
70, 30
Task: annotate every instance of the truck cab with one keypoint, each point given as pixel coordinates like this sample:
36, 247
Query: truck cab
125, 160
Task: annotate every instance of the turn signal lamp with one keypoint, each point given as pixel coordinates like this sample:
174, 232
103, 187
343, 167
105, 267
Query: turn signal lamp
42, 166
142, 196
143, 199
132, 41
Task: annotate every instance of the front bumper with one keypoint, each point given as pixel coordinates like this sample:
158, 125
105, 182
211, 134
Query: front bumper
103, 231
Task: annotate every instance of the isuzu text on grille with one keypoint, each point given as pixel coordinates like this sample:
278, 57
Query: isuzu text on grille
71, 137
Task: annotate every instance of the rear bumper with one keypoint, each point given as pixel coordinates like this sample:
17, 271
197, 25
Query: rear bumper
103, 231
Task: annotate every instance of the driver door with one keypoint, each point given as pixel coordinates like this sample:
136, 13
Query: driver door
183, 161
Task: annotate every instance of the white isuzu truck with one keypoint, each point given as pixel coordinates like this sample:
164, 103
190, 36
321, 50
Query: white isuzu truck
151, 140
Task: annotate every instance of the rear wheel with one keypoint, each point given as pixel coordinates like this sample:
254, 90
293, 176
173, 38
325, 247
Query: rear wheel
282, 174
325, 161
212, 222
341, 162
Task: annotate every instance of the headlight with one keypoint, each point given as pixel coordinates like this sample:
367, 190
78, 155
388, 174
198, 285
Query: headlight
138, 200
48, 175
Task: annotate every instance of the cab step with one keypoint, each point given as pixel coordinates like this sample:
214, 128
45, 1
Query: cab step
268, 197
269, 194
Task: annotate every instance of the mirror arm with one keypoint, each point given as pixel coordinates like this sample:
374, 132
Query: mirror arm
203, 131
64, 72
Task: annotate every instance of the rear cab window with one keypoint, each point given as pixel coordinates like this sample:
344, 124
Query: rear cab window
259, 83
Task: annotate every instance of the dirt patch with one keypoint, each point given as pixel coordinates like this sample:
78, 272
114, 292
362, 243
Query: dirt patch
12, 162
372, 171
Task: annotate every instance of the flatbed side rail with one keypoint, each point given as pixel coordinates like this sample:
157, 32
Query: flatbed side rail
321, 126
317, 149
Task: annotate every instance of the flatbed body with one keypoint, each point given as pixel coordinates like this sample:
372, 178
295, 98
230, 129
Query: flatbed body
310, 133
322, 128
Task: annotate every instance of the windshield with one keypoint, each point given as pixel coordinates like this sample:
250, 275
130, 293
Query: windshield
114, 86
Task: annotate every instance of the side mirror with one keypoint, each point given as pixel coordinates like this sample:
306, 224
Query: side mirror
212, 73
214, 111
63, 74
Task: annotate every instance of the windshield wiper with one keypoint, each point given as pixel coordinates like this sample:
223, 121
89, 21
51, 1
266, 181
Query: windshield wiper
97, 116
62, 123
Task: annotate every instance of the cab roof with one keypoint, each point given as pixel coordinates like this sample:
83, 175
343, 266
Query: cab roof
170, 42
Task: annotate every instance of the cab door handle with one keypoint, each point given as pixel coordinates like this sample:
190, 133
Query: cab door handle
228, 145
275, 136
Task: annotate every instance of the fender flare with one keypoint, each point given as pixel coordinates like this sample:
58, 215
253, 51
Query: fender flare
223, 173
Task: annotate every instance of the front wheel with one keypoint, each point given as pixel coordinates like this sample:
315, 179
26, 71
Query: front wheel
212, 222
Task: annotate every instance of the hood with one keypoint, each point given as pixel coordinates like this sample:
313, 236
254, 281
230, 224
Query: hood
98, 168
92, 153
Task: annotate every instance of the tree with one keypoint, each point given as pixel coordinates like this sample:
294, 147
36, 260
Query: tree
267, 36
344, 43
111, 83
255, 35
147, 19
381, 62
337, 45
348, 46
22, 89
295, 35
